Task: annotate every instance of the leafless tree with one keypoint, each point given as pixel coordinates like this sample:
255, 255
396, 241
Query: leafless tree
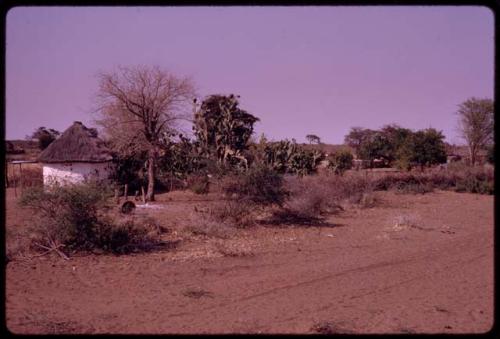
475, 124
141, 105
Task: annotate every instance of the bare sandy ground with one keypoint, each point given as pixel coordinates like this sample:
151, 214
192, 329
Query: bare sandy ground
412, 264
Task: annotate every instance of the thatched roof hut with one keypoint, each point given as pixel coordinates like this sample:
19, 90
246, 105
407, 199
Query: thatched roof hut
77, 144
77, 155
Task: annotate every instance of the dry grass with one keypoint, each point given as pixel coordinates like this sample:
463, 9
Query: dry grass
229, 249
25, 175
404, 221
199, 224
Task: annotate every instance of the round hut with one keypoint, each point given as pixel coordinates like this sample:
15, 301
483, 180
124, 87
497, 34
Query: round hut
77, 155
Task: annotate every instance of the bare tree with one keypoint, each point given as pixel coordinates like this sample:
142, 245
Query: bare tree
139, 107
475, 124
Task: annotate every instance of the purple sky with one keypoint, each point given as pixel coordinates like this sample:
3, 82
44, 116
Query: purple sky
301, 70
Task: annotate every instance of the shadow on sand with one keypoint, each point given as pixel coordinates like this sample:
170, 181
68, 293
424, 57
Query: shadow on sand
287, 219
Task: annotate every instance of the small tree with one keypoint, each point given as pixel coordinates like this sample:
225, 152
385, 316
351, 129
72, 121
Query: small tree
44, 136
376, 146
340, 161
475, 124
313, 139
356, 137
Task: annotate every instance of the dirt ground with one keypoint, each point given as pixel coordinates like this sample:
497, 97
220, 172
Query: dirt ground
411, 264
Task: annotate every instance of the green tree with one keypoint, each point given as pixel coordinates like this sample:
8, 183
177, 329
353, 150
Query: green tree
180, 158
356, 137
376, 146
223, 129
396, 137
313, 139
475, 123
340, 161
424, 148
44, 136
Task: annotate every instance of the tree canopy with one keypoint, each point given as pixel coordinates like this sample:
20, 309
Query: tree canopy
475, 124
45, 136
222, 128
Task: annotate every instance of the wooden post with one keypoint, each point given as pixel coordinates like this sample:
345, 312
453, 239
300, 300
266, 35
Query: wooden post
6, 175
125, 193
117, 196
143, 195
21, 177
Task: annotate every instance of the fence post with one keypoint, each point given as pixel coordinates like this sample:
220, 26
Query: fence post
21, 177
6, 175
117, 196
125, 193
143, 195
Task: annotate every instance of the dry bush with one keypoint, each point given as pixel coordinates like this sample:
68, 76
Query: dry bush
248, 194
128, 237
443, 179
199, 224
310, 197
476, 180
407, 183
258, 185
234, 250
74, 217
458, 177
232, 212
198, 183
403, 221
356, 189
314, 196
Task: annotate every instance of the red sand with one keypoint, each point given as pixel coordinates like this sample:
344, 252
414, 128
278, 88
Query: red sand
431, 274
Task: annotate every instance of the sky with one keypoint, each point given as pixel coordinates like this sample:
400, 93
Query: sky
300, 70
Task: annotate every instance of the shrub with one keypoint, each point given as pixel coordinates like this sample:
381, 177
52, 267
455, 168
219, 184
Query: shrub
67, 214
340, 161
311, 197
126, 237
476, 181
355, 188
210, 228
405, 183
443, 179
308, 198
288, 157
198, 183
233, 213
415, 188
259, 185
73, 216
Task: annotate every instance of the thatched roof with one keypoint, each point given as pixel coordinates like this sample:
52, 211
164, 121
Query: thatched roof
77, 144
